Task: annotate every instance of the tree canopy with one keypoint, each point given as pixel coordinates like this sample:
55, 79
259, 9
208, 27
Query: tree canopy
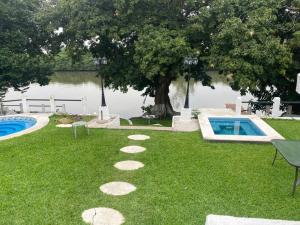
145, 41
22, 59
254, 43
257, 46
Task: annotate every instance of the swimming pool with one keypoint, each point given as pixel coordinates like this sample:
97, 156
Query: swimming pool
234, 126
231, 127
12, 125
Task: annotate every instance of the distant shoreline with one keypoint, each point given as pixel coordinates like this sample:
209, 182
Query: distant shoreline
75, 70
82, 70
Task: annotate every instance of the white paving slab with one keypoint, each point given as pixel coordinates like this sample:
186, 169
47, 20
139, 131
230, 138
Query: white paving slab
117, 188
138, 137
129, 165
133, 149
64, 125
103, 216
230, 220
184, 125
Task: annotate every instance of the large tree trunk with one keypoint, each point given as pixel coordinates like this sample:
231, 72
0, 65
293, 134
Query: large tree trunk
163, 107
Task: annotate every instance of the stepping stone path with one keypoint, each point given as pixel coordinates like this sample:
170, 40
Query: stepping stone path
133, 149
107, 216
129, 165
138, 137
117, 188
103, 216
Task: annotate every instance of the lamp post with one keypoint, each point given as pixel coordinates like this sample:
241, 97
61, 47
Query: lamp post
103, 107
189, 61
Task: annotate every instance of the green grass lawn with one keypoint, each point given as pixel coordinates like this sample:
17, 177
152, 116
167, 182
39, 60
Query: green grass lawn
48, 178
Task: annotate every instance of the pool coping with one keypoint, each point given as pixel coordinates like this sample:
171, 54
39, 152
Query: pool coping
41, 121
208, 133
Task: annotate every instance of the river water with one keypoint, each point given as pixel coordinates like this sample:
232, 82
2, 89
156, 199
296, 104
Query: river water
75, 85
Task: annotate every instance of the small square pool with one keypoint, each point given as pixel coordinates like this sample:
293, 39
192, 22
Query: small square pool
234, 126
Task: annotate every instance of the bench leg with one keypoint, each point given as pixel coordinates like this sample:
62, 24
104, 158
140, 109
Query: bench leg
275, 157
75, 132
296, 182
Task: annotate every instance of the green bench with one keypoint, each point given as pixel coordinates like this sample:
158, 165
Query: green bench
290, 150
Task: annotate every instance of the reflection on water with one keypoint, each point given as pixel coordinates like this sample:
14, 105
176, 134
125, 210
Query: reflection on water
80, 84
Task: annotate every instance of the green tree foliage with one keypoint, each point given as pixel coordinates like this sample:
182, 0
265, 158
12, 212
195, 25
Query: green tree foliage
63, 62
145, 41
22, 59
256, 44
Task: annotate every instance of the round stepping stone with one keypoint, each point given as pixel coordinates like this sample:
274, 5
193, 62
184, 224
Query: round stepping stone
138, 137
133, 149
102, 216
117, 188
64, 125
129, 165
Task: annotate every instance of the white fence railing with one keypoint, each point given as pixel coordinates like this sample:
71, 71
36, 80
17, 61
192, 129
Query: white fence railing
26, 105
271, 108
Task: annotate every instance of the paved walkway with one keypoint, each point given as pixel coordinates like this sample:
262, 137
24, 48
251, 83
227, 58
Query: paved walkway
144, 128
184, 126
94, 124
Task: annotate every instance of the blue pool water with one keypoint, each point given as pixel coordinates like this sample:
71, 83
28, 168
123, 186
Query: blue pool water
11, 125
235, 126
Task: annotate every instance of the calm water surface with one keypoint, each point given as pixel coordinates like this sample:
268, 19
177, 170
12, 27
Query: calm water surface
79, 84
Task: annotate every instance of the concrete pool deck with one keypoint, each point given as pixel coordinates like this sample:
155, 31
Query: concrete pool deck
208, 133
41, 121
